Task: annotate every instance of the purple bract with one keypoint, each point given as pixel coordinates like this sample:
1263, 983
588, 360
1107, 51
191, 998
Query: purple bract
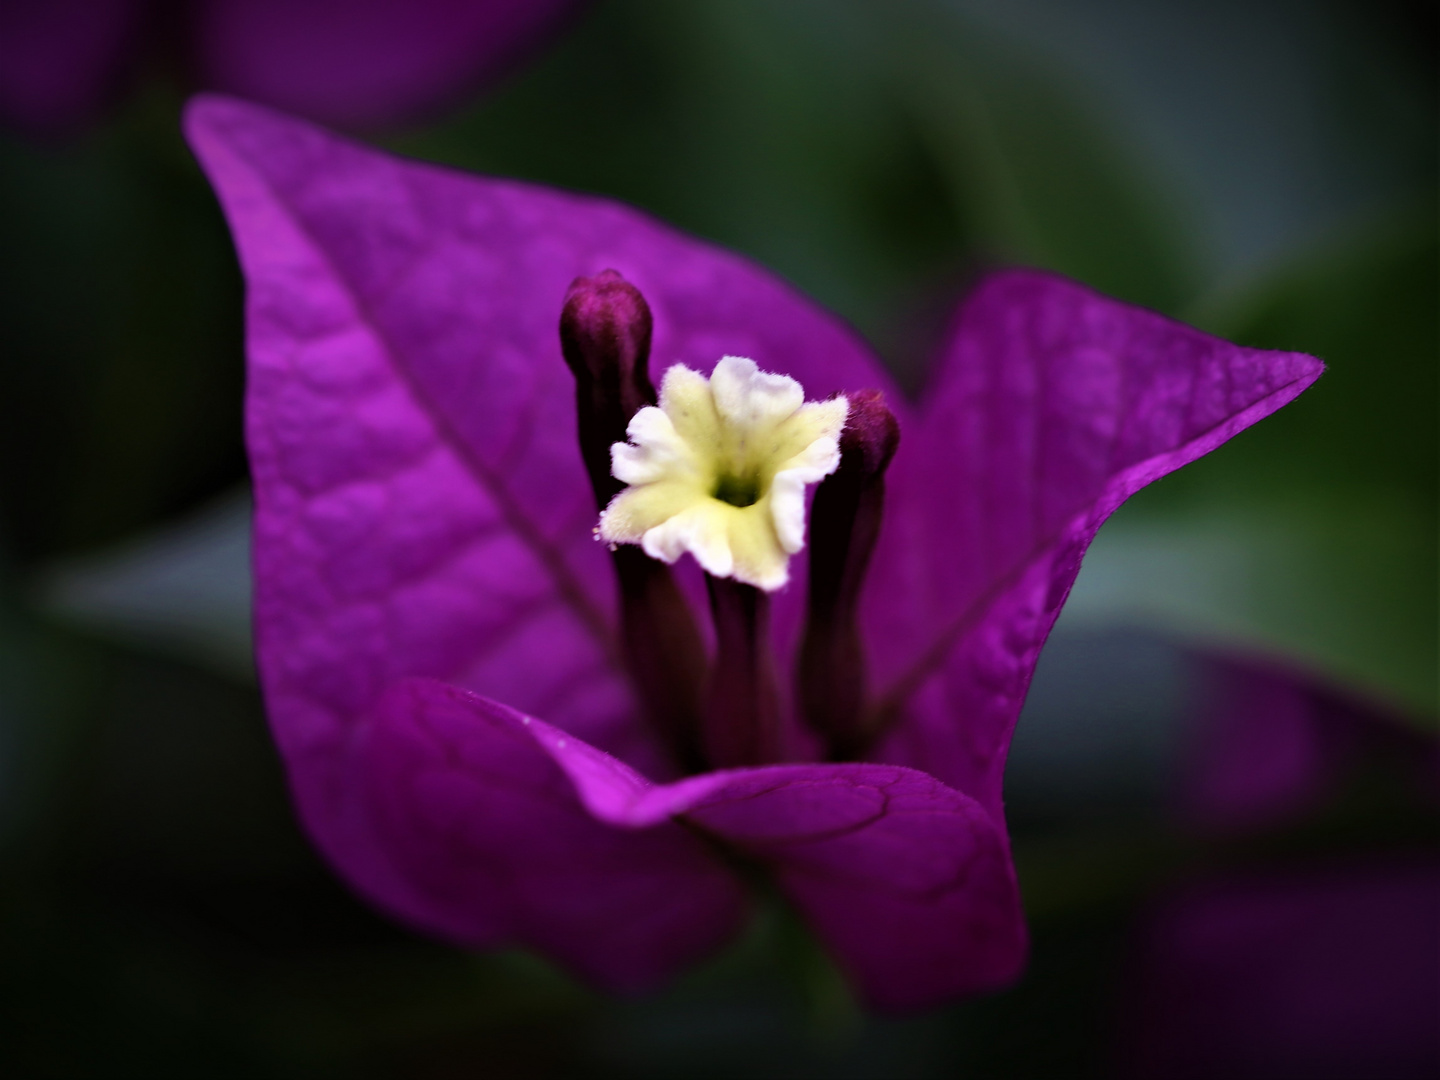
1317, 970
358, 63
1271, 744
423, 552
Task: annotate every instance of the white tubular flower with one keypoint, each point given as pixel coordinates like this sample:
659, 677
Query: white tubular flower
719, 469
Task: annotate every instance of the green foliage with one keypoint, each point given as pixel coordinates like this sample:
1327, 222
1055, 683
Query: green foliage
120, 311
1333, 499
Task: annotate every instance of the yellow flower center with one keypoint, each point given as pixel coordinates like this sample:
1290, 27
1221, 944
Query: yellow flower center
719, 469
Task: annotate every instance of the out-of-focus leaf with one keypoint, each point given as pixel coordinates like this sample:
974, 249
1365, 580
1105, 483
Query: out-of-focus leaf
1369, 306
42, 689
1036, 175
1315, 533
863, 150
120, 311
183, 589
1274, 122
767, 127
1339, 584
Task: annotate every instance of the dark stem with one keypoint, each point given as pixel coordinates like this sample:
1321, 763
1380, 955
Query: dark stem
664, 650
832, 676
742, 704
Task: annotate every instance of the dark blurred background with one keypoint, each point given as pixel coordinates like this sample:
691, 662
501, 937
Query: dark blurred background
1214, 887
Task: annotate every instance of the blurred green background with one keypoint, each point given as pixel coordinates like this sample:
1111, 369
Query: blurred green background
1264, 170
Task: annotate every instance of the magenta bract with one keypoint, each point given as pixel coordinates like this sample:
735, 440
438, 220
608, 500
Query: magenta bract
1271, 744
423, 552
367, 63
358, 63
1314, 964
1320, 970
61, 61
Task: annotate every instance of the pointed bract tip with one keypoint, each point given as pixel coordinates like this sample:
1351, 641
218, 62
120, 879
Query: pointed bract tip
203, 109
198, 116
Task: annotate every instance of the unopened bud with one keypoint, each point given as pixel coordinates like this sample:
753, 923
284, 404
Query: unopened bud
844, 528
871, 434
605, 328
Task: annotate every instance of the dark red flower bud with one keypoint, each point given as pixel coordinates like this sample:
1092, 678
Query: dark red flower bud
605, 328
844, 527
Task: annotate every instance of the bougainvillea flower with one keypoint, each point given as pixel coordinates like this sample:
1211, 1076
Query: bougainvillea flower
61, 61
492, 741
1320, 964
1270, 744
357, 63
1317, 971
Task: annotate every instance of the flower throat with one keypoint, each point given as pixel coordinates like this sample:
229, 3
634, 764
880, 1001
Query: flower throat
738, 491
